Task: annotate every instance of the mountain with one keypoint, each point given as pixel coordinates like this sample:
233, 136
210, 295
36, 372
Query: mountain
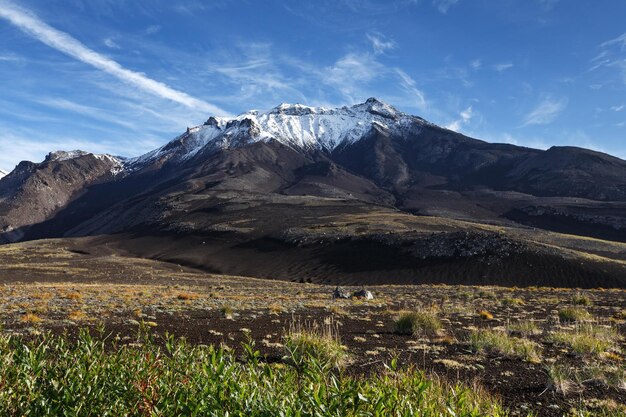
3, 173
361, 193
32, 192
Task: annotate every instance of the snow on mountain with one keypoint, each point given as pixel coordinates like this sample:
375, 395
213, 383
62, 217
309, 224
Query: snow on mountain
294, 125
117, 163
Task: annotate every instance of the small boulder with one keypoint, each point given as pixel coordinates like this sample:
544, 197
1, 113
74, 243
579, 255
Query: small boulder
340, 293
365, 294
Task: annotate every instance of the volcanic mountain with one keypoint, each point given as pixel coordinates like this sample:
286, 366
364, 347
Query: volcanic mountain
362, 194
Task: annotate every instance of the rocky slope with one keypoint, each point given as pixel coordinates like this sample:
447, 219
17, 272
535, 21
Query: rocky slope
35, 192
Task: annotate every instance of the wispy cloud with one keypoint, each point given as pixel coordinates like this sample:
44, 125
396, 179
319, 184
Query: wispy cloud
63, 42
353, 69
548, 4
444, 5
10, 58
257, 75
380, 43
110, 43
476, 64
612, 56
152, 29
502, 67
545, 112
464, 118
617, 108
89, 111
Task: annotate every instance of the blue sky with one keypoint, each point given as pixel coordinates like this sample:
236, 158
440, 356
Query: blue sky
124, 77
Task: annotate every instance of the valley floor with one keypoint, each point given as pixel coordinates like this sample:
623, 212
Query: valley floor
549, 351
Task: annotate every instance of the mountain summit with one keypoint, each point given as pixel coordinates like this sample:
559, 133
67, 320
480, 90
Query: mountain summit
325, 184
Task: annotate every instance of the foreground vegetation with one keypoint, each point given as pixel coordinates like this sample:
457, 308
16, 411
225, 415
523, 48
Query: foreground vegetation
51, 377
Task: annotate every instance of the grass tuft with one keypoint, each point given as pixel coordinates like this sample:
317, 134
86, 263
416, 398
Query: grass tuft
573, 314
581, 299
313, 342
499, 342
418, 324
588, 339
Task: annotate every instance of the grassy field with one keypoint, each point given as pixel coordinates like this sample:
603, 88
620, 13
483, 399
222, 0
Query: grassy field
142, 337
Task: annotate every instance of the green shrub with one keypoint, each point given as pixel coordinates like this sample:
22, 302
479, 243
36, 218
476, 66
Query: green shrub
418, 324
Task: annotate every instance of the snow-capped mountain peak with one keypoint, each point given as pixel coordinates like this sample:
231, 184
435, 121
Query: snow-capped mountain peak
294, 125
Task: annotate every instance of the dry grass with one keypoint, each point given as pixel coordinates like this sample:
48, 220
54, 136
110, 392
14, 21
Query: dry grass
77, 315
485, 315
31, 318
187, 296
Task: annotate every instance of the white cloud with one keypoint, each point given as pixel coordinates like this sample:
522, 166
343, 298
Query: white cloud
110, 43
612, 56
502, 67
444, 5
416, 96
151, 30
380, 43
68, 45
254, 75
618, 108
352, 69
548, 4
11, 58
92, 112
465, 117
545, 112
619, 41
476, 64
